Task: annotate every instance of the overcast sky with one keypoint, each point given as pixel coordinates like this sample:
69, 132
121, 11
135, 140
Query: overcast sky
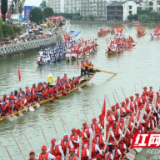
32, 2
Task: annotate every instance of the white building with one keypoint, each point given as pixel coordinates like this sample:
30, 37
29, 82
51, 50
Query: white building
57, 5
119, 10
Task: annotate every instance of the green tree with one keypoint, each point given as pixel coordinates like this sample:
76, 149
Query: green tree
43, 4
1, 31
36, 15
48, 12
8, 30
90, 17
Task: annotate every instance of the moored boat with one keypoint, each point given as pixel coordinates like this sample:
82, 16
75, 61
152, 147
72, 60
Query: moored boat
140, 31
103, 32
136, 24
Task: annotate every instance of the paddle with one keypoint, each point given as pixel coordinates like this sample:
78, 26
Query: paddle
64, 93
20, 114
37, 105
102, 70
31, 108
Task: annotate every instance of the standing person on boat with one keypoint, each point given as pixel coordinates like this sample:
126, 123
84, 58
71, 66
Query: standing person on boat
122, 110
91, 65
84, 153
145, 90
20, 92
110, 117
86, 68
107, 155
44, 155
83, 73
77, 81
95, 126
55, 149
32, 155
58, 80
40, 88
74, 139
116, 152
50, 80
18, 104
12, 97
71, 83
67, 86
151, 93
65, 143
4, 98
27, 90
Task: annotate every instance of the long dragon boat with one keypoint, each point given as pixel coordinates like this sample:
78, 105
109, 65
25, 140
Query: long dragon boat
83, 82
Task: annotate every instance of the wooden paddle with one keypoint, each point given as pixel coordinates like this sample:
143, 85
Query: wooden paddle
101, 70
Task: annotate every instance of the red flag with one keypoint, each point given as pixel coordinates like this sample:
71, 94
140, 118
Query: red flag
19, 75
104, 108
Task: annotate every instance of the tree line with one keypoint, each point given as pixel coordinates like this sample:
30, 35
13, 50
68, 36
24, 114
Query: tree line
145, 16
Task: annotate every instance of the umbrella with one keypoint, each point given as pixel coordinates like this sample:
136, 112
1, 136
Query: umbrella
54, 18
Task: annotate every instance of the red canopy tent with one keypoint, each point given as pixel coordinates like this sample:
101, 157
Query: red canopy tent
53, 18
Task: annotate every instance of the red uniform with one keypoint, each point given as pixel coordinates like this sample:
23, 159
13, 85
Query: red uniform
65, 146
18, 104
75, 138
73, 158
71, 84
55, 151
110, 119
33, 90
11, 97
45, 93
68, 87
64, 79
83, 154
76, 81
43, 156
100, 142
28, 91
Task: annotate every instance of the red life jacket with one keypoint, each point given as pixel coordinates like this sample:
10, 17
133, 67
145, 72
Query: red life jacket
29, 98
11, 97
76, 145
71, 84
84, 138
116, 155
115, 115
54, 91
120, 125
139, 101
87, 131
110, 138
39, 88
122, 149
84, 154
63, 87
64, 78
128, 142
110, 119
146, 93
96, 126
9, 105
50, 91
33, 90
4, 109
108, 156
18, 104
151, 94
43, 156
87, 63
28, 91
100, 141
93, 153
82, 65
116, 133
65, 146
76, 81
34, 159
45, 92
73, 158
34, 96
67, 85
59, 80
20, 93
4, 99
55, 151
59, 87
148, 108
121, 110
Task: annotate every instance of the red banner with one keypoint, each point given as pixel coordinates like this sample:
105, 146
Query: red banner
146, 140
19, 74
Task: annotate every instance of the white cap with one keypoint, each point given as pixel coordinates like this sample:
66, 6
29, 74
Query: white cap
50, 75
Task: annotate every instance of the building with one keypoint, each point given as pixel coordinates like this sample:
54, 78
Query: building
119, 10
57, 5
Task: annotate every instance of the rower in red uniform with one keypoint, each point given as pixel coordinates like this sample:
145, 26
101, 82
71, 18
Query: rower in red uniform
67, 86
107, 155
128, 140
71, 83
99, 140
27, 90
64, 79
122, 110
151, 93
40, 87
35, 97
138, 100
120, 124
110, 117
132, 104
18, 104
86, 131
116, 152
86, 68
95, 126
74, 139
72, 155
144, 99
117, 131
122, 146
50, 91
77, 81
117, 112
32, 155
65, 143
20, 92
4, 98
10, 106
82, 68
63, 88
55, 150
59, 88
11, 96
44, 155
84, 153
55, 91
45, 93
58, 80
145, 91
33, 89
4, 108
95, 151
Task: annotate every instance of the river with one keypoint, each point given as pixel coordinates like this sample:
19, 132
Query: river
137, 67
